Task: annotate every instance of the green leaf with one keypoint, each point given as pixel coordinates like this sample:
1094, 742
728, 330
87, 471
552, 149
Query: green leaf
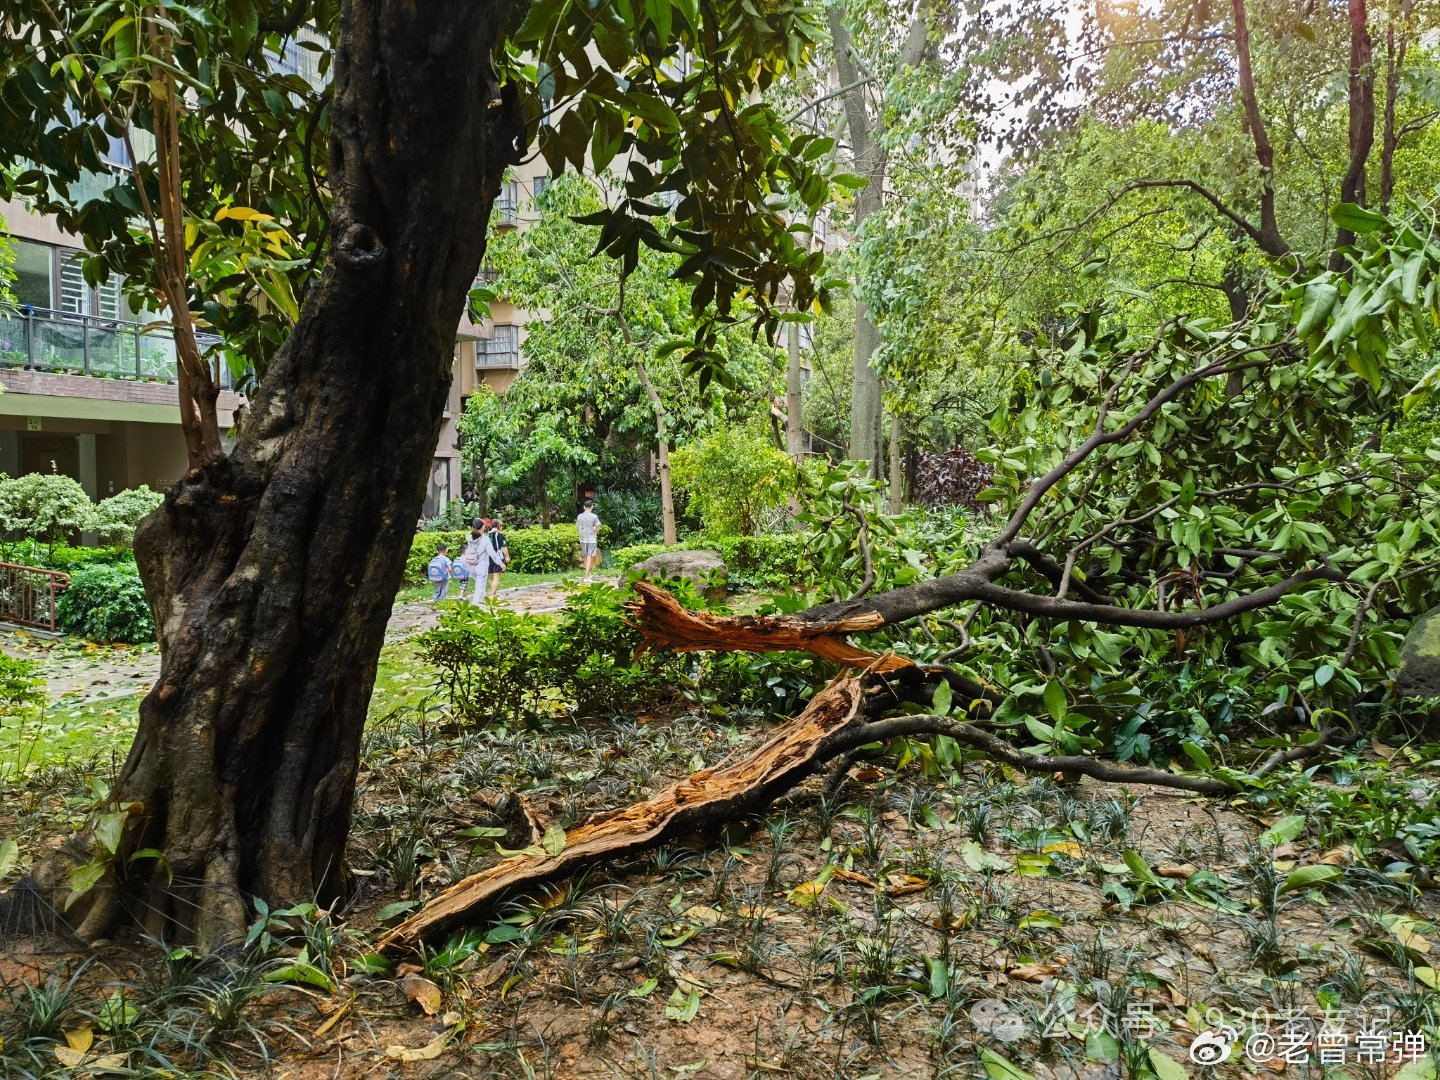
1283, 831
1420, 1069
1324, 673
109, 828
1305, 877
1055, 700
1101, 1046
1139, 867
9, 856
302, 972
1166, 1068
1197, 755
117, 1013
1320, 299
1357, 220
554, 840
939, 976
941, 702
998, 1068
84, 878
681, 1008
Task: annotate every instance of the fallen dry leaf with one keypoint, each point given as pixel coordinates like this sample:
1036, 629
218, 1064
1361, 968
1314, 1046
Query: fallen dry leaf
335, 1017
1180, 871
705, 914
428, 1052
1038, 972
423, 992
406, 968
867, 776
905, 884
854, 878
1338, 856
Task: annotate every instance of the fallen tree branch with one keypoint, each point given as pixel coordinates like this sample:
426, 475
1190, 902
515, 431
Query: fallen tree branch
823, 731
833, 725
664, 623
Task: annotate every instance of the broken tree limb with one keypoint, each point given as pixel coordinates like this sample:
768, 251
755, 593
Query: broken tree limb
665, 624
825, 729
835, 723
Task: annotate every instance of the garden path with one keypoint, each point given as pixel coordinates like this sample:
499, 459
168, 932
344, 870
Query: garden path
79, 671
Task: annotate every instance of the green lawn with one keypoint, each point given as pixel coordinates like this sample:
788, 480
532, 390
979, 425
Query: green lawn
412, 593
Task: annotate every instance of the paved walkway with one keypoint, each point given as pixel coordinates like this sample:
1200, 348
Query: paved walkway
78, 671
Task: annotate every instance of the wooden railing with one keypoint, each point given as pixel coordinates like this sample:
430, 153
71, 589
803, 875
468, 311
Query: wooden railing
28, 594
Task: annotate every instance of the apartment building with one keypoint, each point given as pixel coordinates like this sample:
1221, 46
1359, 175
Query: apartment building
89, 385
88, 391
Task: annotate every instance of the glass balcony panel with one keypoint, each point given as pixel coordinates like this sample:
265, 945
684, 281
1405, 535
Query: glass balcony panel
59, 345
13, 350
157, 357
112, 351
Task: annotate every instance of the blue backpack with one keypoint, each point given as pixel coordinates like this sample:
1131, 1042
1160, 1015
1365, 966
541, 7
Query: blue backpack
437, 572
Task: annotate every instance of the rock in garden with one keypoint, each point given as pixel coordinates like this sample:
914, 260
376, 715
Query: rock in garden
1419, 674
705, 568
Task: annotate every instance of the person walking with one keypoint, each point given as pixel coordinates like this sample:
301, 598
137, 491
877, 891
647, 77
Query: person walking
588, 526
499, 555
476, 558
439, 572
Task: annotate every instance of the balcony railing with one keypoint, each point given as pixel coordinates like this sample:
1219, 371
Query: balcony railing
27, 594
63, 341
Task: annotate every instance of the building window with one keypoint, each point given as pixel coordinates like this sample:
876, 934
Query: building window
75, 295
501, 349
542, 184
806, 335
34, 265
507, 204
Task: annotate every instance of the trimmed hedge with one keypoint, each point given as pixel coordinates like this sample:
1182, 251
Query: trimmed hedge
768, 562
532, 551
106, 603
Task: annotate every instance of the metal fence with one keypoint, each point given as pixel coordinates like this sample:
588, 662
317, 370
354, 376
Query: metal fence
63, 341
28, 594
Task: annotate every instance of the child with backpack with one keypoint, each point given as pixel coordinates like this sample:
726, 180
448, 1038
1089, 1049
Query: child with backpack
439, 573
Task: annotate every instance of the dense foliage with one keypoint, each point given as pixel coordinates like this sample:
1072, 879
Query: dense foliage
106, 603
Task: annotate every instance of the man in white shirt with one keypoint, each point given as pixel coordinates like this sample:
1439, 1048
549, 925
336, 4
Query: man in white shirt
588, 525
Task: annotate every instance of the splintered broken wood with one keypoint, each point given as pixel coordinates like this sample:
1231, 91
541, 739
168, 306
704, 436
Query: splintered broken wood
663, 623
828, 726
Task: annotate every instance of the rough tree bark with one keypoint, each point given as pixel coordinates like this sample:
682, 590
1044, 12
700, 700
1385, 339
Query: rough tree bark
272, 570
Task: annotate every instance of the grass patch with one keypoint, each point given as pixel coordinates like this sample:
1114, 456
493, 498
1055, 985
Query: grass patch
68, 730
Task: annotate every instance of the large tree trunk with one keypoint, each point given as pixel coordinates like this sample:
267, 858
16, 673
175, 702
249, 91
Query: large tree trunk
272, 572
895, 494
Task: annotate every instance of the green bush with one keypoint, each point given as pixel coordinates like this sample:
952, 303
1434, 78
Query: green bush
106, 603
115, 518
497, 666
482, 659
49, 506
732, 479
22, 690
